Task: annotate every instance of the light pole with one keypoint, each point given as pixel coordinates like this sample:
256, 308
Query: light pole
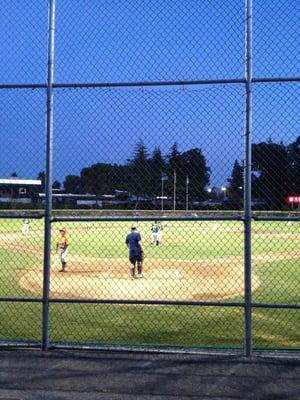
174, 189
187, 193
162, 195
163, 178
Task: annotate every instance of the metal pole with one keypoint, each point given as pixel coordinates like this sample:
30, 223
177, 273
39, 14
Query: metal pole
187, 194
247, 180
174, 190
162, 194
48, 183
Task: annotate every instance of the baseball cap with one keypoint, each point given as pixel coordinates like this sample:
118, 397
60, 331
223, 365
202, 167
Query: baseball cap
62, 229
133, 226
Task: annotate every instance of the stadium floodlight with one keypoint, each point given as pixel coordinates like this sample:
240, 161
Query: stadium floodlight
224, 188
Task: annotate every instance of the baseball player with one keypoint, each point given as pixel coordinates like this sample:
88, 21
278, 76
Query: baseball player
62, 245
160, 233
25, 227
156, 233
136, 254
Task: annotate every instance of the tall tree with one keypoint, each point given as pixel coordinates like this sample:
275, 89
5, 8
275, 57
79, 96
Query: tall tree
42, 177
174, 160
72, 184
270, 170
56, 185
158, 167
98, 179
192, 175
173, 169
195, 173
235, 189
140, 172
293, 173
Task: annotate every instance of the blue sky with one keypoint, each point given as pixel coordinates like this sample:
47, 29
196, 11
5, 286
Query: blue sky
126, 41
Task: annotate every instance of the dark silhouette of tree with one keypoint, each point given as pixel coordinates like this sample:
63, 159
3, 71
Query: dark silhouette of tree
293, 173
98, 179
141, 176
270, 166
140, 171
235, 189
173, 168
56, 185
72, 184
42, 177
158, 167
190, 168
195, 172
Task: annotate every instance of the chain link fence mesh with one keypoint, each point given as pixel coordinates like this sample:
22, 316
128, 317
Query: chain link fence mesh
136, 144
275, 50
23, 42
149, 41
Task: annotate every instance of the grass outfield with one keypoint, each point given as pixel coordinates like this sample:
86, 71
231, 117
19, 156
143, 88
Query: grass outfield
165, 325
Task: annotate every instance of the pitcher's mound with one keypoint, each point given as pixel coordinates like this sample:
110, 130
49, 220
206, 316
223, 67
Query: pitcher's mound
162, 280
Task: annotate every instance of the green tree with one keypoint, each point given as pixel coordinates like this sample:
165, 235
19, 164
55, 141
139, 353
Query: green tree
56, 185
270, 166
158, 167
235, 189
191, 172
173, 168
42, 177
72, 184
97, 179
140, 171
194, 172
293, 173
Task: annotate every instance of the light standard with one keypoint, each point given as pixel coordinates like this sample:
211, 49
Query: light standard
174, 189
163, 178
187, 193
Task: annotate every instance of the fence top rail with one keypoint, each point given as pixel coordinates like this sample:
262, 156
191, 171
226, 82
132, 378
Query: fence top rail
148, 218
95, 85
21, 216
275, 218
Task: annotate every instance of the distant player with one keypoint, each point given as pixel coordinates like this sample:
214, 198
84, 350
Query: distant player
216, 226
62, 245
156, 233
160, 233
136, 255
25, 227
290, 223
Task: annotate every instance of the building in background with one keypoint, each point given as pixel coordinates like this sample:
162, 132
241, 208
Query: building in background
18, 190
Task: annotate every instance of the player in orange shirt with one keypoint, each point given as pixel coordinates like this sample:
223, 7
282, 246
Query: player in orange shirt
62, 245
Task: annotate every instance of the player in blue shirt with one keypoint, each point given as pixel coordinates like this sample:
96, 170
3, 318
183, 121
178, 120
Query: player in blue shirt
136, 254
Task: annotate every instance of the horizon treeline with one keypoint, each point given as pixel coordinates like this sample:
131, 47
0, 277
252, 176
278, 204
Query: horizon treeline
275, 175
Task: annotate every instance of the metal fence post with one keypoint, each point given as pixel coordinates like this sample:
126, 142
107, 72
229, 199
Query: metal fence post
48, 183
247, 180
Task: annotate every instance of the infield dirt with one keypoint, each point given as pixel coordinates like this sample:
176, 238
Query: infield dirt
164, 279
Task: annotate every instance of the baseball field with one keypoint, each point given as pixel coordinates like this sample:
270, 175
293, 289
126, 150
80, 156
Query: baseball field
196, 261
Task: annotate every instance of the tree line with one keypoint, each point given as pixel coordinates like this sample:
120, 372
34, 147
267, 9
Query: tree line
144, 174
275, 174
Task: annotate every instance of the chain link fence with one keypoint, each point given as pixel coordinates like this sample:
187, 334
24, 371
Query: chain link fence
149, 184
